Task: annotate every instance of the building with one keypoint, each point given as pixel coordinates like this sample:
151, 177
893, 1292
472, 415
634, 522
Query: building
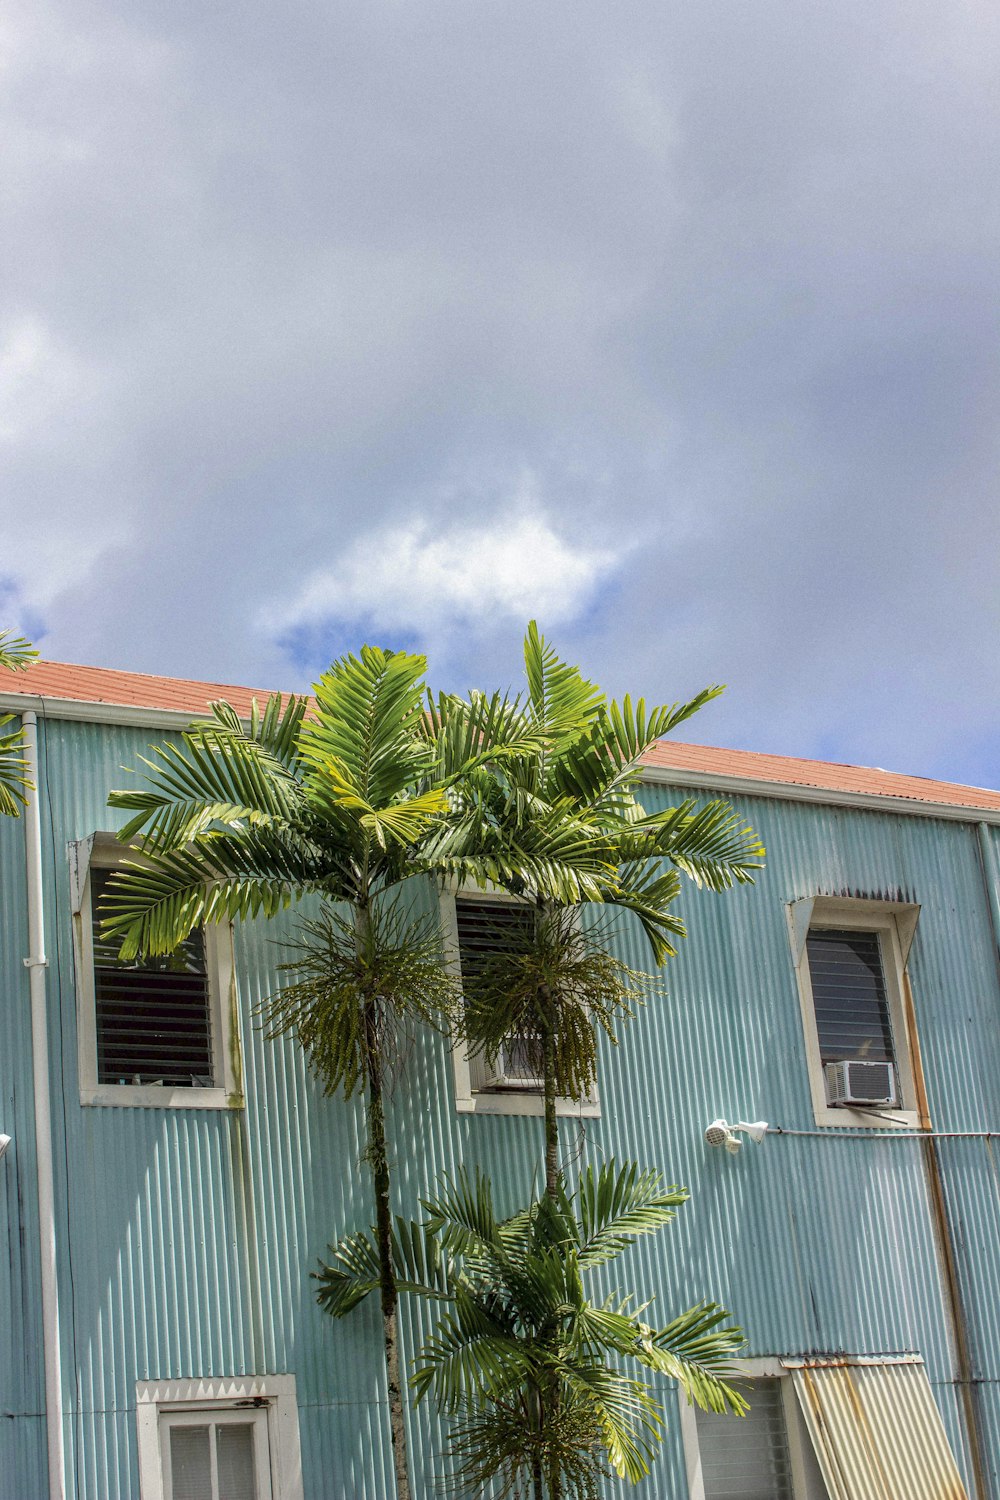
163, 1296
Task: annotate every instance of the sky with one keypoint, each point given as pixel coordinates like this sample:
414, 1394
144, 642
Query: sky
674, 326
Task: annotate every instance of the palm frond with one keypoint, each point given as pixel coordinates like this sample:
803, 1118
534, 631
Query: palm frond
563, 701
16, 654
213, 779
617, 1204
353, 1272
697, 1350
152, 906
14, 779
364, 746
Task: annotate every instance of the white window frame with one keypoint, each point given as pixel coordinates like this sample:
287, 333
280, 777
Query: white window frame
798, 1453
103, 851
188, 1401
470, 1097
895, 922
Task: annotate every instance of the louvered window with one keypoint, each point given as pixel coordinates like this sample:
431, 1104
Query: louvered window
849, 996
487, 928
153, 1015
746, 1458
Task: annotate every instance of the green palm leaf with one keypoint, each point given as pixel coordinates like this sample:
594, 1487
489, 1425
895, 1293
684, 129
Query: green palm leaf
618, 1204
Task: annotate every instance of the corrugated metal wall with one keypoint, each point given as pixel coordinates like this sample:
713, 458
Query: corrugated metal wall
188, 1236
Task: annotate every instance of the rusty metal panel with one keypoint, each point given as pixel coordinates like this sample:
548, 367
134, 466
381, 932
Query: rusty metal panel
877, 1432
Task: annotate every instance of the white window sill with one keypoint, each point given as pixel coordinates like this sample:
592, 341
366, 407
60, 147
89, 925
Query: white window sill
153, 1096
865, 1119
524, 1104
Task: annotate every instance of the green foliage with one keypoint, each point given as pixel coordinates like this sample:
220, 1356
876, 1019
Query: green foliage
15, 654
532, 1371
551, 975
556, 819
353, 990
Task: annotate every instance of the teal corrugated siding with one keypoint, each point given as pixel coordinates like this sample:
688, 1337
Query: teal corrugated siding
22, 1401
188, 1237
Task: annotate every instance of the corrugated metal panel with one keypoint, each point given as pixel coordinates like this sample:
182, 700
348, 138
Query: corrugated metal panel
22, 1400
191, 1234
877, 1433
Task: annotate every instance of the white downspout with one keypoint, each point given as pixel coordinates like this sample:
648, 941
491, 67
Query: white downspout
36, 963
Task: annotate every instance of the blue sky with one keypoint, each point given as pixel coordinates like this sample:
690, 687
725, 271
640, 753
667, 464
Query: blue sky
675, 327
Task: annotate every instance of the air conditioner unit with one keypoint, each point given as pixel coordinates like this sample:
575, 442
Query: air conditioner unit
518, 1065
859, 1082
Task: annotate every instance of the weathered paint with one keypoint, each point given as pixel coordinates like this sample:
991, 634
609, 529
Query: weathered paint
877, 1432
187, 1237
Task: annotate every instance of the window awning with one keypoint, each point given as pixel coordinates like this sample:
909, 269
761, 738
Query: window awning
876, 1429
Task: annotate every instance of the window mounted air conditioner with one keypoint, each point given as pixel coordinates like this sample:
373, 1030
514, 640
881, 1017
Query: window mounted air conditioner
519, 1065
859, 1082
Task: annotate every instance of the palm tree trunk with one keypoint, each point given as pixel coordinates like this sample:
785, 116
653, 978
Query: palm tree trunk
551, 1118
536, 1480
379, 1160
387, 1275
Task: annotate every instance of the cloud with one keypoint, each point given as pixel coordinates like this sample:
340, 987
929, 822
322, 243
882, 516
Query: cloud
292, 297
422, 577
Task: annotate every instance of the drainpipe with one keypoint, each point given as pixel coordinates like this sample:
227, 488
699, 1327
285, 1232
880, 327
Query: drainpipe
36, 964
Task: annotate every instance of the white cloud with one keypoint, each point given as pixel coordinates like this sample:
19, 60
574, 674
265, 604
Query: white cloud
417, 576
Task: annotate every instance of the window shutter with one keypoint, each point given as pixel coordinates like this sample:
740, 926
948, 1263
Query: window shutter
153, 1015
877, 1431
849, 994
746, 1458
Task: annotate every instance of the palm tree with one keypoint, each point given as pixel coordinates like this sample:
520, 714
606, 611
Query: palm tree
524, 1361
560, 825
239, 820
15, 654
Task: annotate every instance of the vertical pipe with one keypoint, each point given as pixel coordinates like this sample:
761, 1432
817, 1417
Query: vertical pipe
988, 871
948, 1259
36, 963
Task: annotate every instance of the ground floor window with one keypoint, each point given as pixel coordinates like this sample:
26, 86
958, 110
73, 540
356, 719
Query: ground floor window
228, 1439
823, 1429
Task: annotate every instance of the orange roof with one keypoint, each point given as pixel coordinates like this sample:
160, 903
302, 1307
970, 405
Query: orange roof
820, 775
58, 681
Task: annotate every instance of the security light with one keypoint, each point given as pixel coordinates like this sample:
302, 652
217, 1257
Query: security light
719, 1133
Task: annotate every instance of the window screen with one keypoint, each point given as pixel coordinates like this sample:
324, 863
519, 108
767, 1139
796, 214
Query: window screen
849, 995
214, 1462
746, 1458
153, 1015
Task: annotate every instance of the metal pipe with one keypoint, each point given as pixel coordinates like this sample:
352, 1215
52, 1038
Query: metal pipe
988, 871
36, 963
859, 1133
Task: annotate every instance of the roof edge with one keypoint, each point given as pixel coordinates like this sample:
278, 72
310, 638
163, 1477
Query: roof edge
793, 791
135, 716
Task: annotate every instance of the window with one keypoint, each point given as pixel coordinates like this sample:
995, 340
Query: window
851, 959
229, 1439
153, 1031
747, 1460
822, 1427
477, 924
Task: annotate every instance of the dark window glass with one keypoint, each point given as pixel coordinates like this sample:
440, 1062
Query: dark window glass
848, 985
153, 1016
486, 928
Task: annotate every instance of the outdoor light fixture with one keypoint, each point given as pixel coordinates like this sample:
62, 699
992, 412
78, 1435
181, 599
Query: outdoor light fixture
719, 1133
4, 1143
